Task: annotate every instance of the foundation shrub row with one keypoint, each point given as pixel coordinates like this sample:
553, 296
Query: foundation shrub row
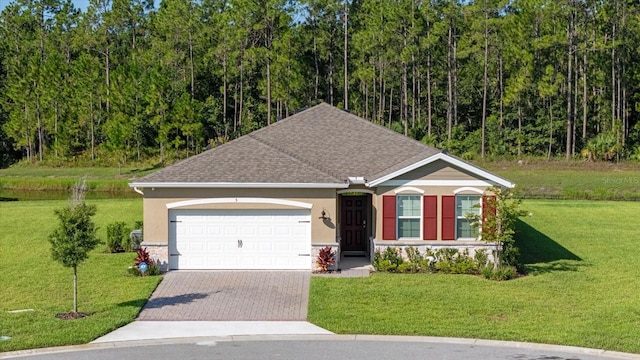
444, 260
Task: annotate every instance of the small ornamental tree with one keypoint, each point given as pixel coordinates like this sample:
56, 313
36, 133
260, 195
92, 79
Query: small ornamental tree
497, 223
75, 236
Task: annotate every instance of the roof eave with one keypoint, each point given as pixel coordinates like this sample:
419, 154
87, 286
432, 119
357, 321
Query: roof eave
209, 185
451, 160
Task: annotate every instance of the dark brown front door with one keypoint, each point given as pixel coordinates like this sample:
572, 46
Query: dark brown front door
354, 225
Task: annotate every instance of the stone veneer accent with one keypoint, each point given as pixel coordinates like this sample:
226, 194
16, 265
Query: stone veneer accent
158, 252
470, 246
315, 250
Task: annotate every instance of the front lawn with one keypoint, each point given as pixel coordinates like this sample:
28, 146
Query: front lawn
583, 288
30, 279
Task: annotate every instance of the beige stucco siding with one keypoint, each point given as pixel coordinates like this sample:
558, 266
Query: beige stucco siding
438, 170
156, 213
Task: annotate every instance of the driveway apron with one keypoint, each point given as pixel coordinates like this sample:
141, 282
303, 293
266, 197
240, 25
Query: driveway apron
229, 296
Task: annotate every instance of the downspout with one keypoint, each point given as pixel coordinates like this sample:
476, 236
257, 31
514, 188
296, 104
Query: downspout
138, 191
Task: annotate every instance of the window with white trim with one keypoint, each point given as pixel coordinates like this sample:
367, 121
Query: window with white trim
466, 205
409, 213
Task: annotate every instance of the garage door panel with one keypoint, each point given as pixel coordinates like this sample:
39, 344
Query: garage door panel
214, 230
240, 239
265, 230
264, 245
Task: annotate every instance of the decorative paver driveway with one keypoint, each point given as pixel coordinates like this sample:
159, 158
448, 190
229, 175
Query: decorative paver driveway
229, 296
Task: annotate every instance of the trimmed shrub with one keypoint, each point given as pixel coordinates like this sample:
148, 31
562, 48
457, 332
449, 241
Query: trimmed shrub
388, 260
499, 274
118, 237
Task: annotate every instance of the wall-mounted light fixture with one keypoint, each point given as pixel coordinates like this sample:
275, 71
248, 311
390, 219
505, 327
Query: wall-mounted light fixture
323, 215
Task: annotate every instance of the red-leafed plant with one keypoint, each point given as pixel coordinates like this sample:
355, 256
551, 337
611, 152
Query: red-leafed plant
326, 258
153, 268
143, 257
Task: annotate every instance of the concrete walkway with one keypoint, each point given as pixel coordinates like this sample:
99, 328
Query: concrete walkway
156, 330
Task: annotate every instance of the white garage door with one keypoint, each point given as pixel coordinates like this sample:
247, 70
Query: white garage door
240, 239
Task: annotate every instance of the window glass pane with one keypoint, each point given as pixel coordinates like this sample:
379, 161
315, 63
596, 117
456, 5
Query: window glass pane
409, 228
409, 205
465, 230
467, 204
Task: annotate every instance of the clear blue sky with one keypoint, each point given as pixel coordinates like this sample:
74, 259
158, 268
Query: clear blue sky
82, 4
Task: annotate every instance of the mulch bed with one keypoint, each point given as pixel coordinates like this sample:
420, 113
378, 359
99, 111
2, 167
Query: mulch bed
71, 315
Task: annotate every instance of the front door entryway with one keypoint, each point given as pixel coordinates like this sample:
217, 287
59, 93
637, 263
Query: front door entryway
353, 225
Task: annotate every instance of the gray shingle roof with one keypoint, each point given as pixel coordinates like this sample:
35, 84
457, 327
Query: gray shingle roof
322, 144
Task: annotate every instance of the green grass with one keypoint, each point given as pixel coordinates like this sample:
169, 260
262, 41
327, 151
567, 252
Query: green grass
43, 178
583, 288
571, 180
90, 172
32, 280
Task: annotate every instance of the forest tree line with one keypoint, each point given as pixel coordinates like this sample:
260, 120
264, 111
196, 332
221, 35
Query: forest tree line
126, 80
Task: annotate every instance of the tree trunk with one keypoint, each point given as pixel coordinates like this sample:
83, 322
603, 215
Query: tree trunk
269, 45
383, 91
317, 66
75, 289
429, 78
38, 84
413, 92
224, 91
584, 93
39, 127
268, 88
550, 130
107, 72
500, 83
55, 130
331, 75
405, 103
27, 133
93, 131
241, 105
519, 127
373, 97
613, 67
455, 82
485, 79
575, 101
346, 32
191, 68
449, 83
390, 105
569, 83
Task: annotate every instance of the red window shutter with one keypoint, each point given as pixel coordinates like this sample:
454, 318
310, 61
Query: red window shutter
388, 217
430, 217
448, 217
489, 208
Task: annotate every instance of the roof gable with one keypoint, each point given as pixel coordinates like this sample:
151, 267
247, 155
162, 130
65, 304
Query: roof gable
454, 161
